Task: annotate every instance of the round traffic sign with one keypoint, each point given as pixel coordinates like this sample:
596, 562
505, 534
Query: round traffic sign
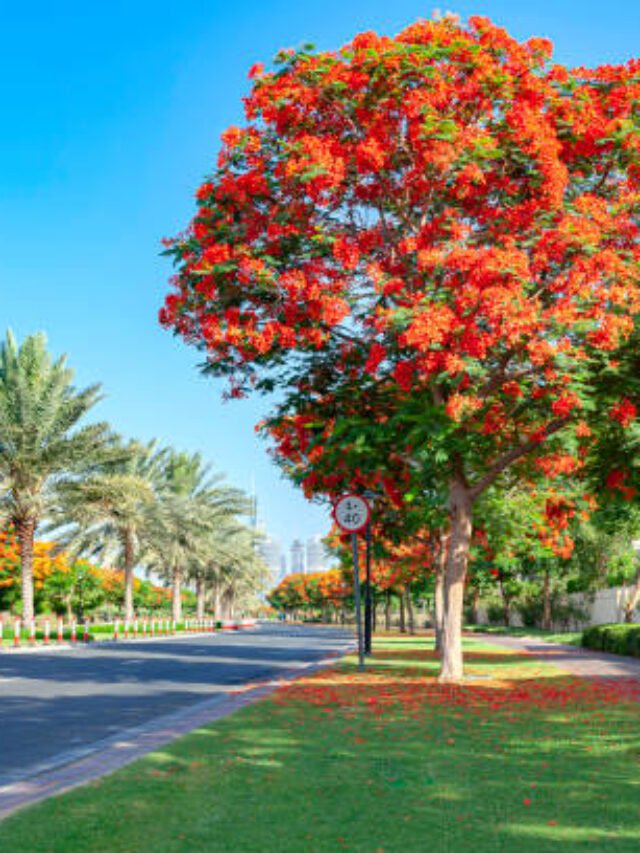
352, 513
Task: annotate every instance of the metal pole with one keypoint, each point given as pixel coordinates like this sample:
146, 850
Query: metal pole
368, 609
356, 595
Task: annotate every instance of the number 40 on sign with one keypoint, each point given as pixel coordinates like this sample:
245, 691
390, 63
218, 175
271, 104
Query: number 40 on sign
351, 513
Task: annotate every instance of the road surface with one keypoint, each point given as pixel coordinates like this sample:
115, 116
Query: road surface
56, 705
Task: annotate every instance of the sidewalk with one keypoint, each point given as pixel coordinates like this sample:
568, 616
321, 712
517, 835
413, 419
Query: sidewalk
573, 659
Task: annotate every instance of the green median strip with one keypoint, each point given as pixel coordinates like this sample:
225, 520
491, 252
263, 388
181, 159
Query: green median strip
520, 757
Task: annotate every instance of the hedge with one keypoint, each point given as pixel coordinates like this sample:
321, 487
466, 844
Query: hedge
621, 639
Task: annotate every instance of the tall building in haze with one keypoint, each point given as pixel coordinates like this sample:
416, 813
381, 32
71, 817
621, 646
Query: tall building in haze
317, 557
298, 561
271, 552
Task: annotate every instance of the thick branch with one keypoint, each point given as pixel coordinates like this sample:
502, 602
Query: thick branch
503, 462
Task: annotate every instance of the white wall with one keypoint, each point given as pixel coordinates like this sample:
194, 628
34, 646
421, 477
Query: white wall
606, 606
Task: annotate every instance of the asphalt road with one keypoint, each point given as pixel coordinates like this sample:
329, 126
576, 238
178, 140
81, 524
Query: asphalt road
57, 705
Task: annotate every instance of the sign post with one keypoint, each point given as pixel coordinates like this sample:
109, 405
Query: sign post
352, 514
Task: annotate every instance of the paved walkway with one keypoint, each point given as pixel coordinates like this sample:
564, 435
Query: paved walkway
573, 659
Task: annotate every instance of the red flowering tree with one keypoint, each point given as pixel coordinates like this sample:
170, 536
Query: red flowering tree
445, 213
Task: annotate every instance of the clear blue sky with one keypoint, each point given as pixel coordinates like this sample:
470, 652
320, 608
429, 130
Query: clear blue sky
110, 116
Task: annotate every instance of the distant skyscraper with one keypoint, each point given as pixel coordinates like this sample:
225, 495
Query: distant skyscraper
271, 552
317, 557
298, 557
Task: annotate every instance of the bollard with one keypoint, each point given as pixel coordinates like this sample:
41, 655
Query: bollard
153, 627
126, 629
116, 625
32, 632
60, 630
16, 633
86, 631
47, 632
144, 628
74, 635
173, 626
135, 629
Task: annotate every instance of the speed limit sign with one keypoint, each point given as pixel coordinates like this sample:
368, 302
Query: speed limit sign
351, 513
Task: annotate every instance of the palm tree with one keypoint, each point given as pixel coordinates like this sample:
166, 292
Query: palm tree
107, 512
239, 573
40, 438
191, 505
228, 562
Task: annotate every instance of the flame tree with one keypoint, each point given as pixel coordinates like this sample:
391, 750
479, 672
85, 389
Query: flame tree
447, 213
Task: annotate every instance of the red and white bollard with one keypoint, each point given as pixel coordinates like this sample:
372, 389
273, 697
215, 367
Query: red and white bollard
16, 633
126, 629
60, 630
135, 629
74, 631
32, 633
116, 626
144, 629
153, 627
47, 632
86, 631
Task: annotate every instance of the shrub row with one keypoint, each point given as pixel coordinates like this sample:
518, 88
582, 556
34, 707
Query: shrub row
621, 639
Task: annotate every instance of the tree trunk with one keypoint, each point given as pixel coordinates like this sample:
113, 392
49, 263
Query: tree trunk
25, 531
475, 601
374, 614
546, 607
387, 610
439, 592
506, 603
200, 596
409, 606
227, 604
632, 599
129, 564
460, 506
403, 627
176, 597
216, 601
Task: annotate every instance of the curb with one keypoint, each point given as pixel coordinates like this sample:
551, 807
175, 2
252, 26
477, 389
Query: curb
72, 769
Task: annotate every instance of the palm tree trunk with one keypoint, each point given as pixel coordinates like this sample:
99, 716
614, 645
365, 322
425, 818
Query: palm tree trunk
25, 531
200, 598
129, 564
176, 597
216, 601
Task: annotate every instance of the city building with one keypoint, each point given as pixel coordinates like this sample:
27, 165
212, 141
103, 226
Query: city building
271, 552
298, 557
317, 557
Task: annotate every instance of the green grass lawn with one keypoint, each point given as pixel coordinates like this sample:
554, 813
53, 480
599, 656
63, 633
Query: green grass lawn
569, 638
521, 758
